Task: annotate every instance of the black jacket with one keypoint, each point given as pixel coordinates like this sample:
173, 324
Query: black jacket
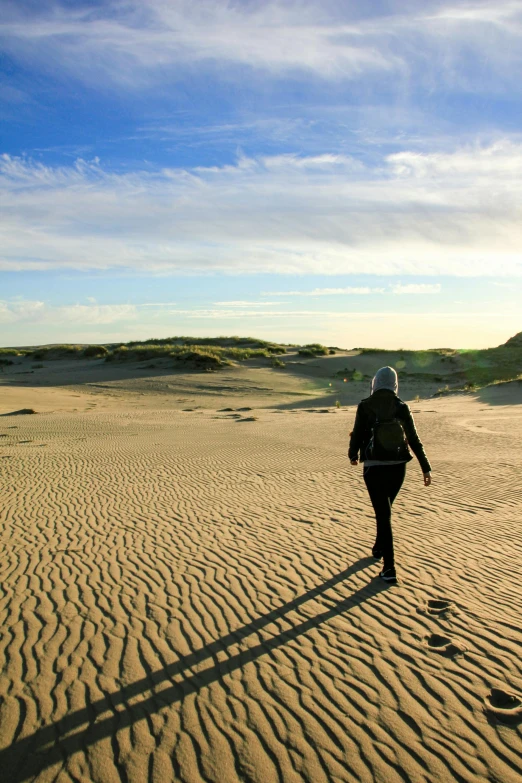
385, 405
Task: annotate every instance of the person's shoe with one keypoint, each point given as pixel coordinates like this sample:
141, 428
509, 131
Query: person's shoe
389, 575
377, 553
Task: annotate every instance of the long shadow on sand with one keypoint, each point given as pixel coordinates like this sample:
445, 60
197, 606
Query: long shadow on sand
53, 744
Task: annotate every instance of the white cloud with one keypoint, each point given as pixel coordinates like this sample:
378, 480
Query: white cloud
239, 303
397, 288
136, 42
416, 288
156, 304
38, 322
35, 312
456, 213
11, 312
93, 314
132, 44
349, 290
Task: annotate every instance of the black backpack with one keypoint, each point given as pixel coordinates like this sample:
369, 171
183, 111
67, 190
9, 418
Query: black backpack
388, 440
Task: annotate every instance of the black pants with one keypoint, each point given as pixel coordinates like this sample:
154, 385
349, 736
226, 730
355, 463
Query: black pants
383, 483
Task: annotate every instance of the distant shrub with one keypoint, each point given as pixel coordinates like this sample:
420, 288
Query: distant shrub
332, 351
337, 404
68, 350
214, 342
317, 349
57, 352
306, 352
95, 351
223, 349
157, 350
278, 363
201, 359
274, 348
5, 362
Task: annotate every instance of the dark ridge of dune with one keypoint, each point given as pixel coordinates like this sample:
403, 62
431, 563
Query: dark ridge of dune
21, 412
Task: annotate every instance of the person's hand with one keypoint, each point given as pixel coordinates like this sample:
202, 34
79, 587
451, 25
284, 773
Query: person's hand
354, 462
427, 479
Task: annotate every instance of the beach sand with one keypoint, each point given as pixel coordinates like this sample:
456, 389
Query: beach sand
187, 593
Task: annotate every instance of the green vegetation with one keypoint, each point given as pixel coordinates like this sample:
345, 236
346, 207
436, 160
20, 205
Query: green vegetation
428, 351
95, 351
247, 343
314, 349
137, 352
463, 370
450, 369
57, 352
208, 353
14, 352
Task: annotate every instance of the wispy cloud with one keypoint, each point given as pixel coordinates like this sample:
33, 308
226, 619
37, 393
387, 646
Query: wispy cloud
452, 213
133, 44
37, 322
396, 288
239, 303
38, 312
11, 312
346, 291
156, 304
416, 288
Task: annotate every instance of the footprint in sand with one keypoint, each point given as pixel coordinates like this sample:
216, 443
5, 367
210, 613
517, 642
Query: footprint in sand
438, 606
505, 707
444, 646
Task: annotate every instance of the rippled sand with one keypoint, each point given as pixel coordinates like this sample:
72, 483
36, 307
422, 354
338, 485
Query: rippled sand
187, 596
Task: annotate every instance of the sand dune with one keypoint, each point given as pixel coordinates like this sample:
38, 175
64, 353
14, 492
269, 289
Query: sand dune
187, 596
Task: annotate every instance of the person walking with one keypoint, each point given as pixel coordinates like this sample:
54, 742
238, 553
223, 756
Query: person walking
383, 433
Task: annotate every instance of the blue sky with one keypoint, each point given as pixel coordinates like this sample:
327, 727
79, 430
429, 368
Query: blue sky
334, 171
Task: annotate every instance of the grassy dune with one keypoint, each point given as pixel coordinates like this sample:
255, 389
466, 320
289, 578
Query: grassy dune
456, 369
447, 369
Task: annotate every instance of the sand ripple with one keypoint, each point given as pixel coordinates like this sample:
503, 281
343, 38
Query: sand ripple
187, 600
